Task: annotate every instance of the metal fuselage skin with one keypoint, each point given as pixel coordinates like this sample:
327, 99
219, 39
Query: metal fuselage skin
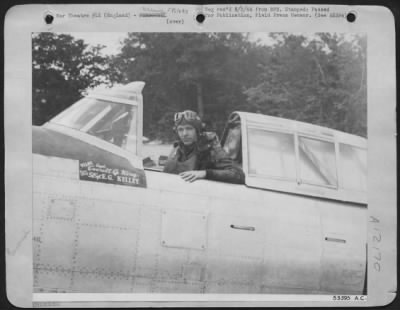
201, 237
169, 236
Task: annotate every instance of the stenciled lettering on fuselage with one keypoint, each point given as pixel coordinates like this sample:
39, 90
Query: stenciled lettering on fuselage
98, 172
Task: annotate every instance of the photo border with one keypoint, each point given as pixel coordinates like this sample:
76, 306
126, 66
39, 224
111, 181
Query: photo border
381, 135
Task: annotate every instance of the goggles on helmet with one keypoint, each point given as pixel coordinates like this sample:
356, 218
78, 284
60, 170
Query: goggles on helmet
187, 115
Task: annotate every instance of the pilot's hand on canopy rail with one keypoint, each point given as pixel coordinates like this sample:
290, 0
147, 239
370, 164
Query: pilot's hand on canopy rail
193, 175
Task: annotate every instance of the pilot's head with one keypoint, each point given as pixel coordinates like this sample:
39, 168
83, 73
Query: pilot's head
188, 126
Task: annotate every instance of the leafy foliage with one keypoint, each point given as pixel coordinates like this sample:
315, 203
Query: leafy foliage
63, 68
322, 81
202, 72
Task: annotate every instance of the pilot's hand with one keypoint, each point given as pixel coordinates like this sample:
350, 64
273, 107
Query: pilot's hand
190, 176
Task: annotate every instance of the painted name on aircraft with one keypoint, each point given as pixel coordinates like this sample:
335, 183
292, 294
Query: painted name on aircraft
97, 172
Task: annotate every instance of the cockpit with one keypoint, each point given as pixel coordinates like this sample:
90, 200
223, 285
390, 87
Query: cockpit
274, 153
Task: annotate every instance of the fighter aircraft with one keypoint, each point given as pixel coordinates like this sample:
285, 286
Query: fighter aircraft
104, 222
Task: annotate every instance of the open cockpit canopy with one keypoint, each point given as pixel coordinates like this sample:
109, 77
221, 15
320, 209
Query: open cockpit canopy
297, 157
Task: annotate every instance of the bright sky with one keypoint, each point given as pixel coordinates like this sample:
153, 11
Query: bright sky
112, 39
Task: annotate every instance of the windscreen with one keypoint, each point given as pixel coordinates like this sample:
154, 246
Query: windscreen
109, 121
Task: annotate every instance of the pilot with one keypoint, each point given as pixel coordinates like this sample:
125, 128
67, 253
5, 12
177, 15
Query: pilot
198, 154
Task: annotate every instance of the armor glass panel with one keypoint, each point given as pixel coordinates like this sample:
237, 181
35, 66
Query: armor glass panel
232, 145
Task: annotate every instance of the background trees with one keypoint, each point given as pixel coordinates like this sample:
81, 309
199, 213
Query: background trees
63, 68
204, 72
319, 79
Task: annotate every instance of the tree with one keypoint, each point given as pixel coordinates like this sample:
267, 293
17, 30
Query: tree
63, 68
217, 67
320, 80
150, 57
205, 72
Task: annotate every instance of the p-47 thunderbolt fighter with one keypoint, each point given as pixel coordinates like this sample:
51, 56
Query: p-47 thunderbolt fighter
104, 222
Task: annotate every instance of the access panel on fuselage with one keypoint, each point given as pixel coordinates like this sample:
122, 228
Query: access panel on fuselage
174, 236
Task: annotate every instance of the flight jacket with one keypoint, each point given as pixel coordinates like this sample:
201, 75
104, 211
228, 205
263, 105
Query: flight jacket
207, 154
